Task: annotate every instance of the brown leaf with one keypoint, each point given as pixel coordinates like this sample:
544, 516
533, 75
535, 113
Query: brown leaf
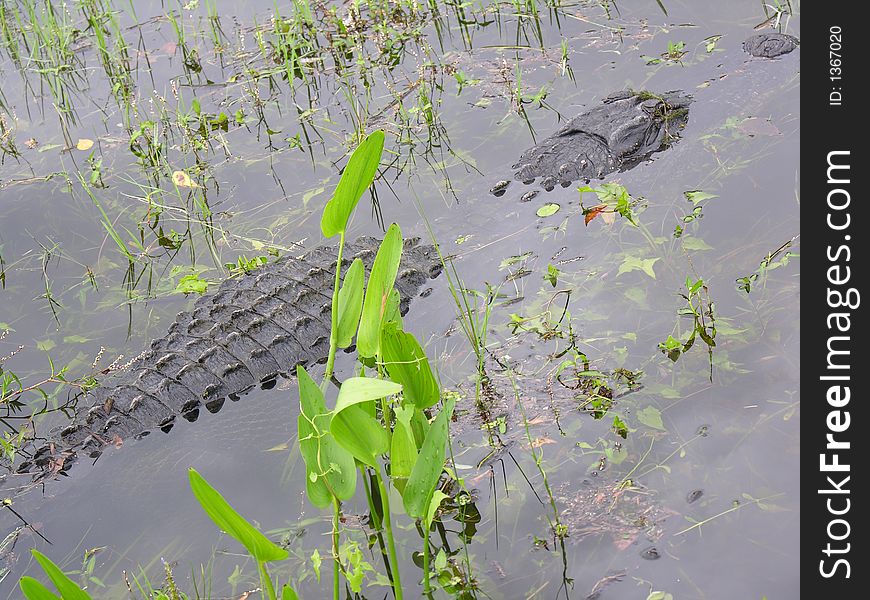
593, 212
117, 441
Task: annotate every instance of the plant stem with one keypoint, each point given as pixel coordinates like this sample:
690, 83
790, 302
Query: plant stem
391, 544
426, 588
267, 581
336, 570
333, 333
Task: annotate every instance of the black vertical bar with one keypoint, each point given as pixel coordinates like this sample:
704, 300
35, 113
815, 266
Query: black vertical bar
834, 243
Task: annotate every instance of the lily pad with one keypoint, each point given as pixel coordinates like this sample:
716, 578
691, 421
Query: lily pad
548, 210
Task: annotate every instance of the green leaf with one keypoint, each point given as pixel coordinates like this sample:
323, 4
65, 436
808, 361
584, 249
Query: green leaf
192, 284
440, 560
225, 517
695, 196
633, 263
406, 363
66, 586
381, 280
434, 503
356, 179
356, 429
393, 314
403, 449
651, 417
427, 470
316, 561
332, 467
34, 590
350, 299
694, 243
360, 434
362, 389
288, 593
552, 275
548, 210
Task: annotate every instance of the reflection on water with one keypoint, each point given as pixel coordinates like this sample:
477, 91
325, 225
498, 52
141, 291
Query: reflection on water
151, 152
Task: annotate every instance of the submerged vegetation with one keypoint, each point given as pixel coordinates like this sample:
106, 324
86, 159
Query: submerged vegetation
551, 415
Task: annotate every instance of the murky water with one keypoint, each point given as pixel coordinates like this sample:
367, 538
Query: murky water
449, 105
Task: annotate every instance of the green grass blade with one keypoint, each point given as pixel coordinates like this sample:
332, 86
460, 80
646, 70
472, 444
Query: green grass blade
329, 468
68, 589
381, 280
356, 179
350, 299
427, 469
225, 517
34, 590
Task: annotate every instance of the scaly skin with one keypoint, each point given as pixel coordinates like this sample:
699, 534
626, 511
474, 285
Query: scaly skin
254, 328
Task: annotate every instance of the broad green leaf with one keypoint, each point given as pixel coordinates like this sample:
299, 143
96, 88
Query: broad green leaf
695, 196
651, 417
633, 263
355, 390
407, 364
403, 449
381, 280
440, 560
356, 429
329, 468
694, 243
288, 593
225, 517
437, 498
427, 469
356, 179
68, 589
34, 590
360, 434
350, 299
548, 210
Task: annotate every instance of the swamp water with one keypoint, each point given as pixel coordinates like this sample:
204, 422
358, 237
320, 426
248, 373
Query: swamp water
145, 146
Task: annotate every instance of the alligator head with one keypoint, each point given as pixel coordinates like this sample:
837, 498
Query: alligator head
623, 131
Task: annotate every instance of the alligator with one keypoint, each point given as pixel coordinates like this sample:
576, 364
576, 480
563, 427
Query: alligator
622, 132
253, 329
